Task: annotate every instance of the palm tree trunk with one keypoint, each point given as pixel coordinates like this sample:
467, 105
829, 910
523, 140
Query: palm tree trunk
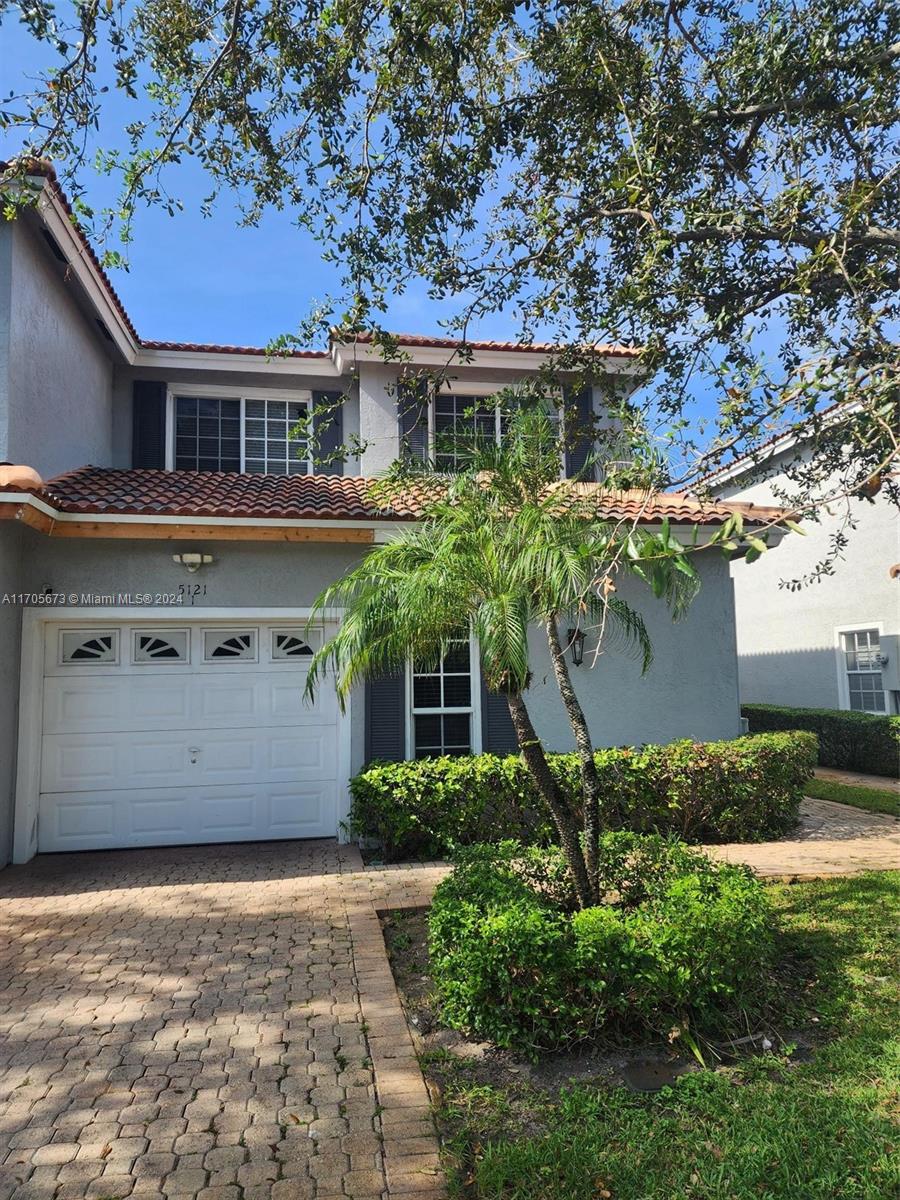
548, 789
590, 780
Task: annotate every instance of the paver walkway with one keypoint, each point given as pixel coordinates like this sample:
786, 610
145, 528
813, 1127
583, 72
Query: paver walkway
833, 839
221, 1023
204, 1023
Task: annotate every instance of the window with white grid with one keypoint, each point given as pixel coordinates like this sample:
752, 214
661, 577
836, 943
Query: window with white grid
865, 687
275, 441
442, 703
459, 422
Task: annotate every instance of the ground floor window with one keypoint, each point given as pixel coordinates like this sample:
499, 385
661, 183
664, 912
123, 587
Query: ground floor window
861, 650
442, 703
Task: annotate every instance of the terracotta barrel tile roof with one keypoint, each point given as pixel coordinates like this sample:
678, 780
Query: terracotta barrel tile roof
424, 340
214, 348
212, 494
99, 490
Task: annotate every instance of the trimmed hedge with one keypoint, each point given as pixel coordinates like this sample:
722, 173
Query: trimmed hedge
849, 741
748, 789
684, 940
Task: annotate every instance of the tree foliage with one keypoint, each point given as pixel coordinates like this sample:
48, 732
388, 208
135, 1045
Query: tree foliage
503, 547
714, 181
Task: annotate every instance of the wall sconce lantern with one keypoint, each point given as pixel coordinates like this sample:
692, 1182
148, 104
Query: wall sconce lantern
193, 562
576, 641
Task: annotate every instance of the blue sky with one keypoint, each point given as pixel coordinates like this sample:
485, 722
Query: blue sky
200, 279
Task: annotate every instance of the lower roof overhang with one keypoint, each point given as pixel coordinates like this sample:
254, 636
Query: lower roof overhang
38, 515
34, 512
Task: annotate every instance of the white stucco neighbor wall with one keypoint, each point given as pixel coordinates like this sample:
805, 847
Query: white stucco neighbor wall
59, 376
788, 641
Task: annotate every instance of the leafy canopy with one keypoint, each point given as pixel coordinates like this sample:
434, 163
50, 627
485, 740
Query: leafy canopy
713, 180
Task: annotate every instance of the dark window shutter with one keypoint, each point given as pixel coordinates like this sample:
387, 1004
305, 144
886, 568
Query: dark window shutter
148, 424
579, 418
386, 718
412, 415
328, 426
497, 733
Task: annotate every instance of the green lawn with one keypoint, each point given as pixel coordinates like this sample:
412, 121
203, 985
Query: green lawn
878, 800
771, 1128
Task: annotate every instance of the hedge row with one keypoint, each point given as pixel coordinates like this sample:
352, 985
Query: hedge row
849, 741
686, 940
748, 789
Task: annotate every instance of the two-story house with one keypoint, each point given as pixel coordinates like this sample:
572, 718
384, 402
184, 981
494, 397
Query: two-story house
156, 580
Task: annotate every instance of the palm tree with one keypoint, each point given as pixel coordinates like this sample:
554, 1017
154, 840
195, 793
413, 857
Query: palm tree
504, 545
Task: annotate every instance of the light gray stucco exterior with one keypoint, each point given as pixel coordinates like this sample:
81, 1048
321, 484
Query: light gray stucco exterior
56, 389
789, 641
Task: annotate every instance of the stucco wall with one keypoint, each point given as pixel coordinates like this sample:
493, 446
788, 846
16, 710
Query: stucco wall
11, 536
787, 641
690, 690
59, 377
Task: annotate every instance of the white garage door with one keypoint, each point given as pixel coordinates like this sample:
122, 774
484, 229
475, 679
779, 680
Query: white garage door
166, 735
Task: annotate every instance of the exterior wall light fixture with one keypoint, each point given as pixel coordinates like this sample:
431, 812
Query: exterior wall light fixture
576, 641
193, 562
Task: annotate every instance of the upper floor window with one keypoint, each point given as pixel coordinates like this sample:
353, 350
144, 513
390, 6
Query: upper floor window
865, 686
460, 421
260, 435
457, 421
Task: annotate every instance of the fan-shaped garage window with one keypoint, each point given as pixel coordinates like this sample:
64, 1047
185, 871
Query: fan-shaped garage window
229, 645
89, 646
287, 643
160, 645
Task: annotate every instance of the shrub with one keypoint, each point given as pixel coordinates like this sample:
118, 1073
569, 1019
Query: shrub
849, 741
681, 939
743, 790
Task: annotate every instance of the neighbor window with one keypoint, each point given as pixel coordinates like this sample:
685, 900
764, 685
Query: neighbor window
442, 703
865, 687
263, 436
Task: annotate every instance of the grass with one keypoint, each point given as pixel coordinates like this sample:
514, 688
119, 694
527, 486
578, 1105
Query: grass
879, 800
771, 1127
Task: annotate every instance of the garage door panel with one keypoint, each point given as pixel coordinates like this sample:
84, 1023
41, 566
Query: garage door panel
230, 814
299, 813
69, 764
287, 701
84, 819
156, 816
230, 700
141, 755
73, 821
72, 705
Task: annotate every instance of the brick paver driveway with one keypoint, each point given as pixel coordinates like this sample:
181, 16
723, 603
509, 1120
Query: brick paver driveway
187, 1023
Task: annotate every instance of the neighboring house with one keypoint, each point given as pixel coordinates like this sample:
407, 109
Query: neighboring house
153, 701
834, 642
